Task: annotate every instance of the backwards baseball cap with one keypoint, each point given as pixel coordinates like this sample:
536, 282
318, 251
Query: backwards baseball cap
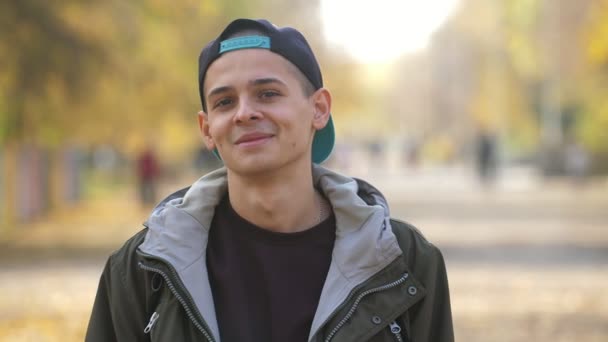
285, 41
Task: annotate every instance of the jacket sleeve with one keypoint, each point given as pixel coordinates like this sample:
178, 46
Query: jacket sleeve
431, 319
119, 312
100, 326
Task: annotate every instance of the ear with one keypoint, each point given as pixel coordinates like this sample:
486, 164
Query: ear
203, 125
322, 107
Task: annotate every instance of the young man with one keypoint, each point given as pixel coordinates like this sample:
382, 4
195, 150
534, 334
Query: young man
272, 247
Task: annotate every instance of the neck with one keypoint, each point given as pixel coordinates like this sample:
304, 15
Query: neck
284, 202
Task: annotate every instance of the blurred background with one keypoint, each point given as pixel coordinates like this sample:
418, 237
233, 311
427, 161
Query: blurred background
484, 122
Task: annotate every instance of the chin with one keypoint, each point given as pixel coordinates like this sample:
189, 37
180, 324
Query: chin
251, 166
264, 163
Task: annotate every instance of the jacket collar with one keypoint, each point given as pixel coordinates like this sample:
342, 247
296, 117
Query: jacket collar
365, 243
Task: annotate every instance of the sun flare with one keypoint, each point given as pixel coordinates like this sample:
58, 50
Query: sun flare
381, 30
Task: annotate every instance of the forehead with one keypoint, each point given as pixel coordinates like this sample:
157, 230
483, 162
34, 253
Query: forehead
247, 64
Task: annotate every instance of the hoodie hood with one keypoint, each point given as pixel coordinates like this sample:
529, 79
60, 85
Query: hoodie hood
365, 244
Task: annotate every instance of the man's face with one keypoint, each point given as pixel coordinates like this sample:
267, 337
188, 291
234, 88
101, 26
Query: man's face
258, 116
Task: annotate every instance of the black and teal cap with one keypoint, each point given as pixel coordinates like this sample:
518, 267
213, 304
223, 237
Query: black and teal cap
285, 41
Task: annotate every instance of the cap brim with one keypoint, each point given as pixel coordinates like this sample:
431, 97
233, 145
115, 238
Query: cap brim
322, 143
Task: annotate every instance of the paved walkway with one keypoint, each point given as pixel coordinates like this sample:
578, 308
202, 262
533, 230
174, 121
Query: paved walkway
523, 218
92, 227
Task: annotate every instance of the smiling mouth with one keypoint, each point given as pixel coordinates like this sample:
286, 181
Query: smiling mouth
253, 140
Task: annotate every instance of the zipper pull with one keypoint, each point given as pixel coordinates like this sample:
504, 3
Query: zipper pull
151, 323
396, 330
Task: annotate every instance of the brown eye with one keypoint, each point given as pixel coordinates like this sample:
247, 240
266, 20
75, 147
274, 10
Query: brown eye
267, 94
222, 103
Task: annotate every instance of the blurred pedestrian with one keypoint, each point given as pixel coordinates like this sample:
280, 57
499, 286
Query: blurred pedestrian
486, 158
148, 172
576, 160
272, 247
411, 153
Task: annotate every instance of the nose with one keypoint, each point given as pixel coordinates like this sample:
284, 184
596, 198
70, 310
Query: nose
246, 112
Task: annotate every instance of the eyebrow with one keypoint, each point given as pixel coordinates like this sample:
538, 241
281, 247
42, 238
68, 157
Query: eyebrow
262, 81
218, 90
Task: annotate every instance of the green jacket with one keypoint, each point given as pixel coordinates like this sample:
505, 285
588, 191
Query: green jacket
385, 281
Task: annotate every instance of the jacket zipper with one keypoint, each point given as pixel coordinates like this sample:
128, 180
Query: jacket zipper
396, 330
358, 300
180, 299
151, 322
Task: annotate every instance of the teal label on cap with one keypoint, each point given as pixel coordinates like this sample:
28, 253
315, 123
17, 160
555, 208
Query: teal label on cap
248, 42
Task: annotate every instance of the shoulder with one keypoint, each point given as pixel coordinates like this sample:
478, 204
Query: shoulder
129, 248
123, 275
420, 254
125, 260
409, 236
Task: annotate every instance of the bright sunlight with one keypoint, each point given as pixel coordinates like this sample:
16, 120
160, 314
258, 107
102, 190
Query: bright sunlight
380, 31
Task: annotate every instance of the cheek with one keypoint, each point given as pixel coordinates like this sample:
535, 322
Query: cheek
218, 131
301, 137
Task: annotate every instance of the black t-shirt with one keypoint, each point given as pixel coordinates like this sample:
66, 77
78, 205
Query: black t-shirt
266, 285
